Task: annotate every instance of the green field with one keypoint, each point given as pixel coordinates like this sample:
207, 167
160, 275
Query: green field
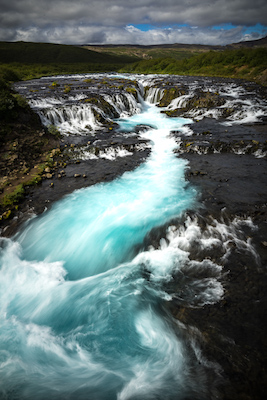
149, 52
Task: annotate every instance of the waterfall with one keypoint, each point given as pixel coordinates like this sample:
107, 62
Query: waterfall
154, 95
70, 119
179, 102
77, 114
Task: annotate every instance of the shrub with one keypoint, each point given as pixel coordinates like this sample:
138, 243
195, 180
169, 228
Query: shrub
8, 105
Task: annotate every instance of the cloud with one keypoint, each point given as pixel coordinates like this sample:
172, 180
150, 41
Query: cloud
107, 21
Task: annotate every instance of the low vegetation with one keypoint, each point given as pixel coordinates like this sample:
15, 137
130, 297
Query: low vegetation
250, 64
178, 52
33, 60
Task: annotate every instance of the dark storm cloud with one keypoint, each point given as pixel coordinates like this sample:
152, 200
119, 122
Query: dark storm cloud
81, 21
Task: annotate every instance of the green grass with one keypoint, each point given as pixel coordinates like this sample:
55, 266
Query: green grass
31, 71
249, 64
147, 52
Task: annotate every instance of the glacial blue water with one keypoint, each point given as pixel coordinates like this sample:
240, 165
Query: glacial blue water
81, 304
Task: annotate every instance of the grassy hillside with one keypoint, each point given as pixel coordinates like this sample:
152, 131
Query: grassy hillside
30, 60
46, 53
244, 63
178, 52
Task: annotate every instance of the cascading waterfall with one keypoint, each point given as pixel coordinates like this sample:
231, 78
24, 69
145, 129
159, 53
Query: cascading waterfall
81, 300
154, 95
77, 114
179, 102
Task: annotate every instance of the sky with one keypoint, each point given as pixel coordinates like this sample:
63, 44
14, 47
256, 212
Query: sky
212, 22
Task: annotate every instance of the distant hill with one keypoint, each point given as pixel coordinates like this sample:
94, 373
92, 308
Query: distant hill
178, 51
147, 52
47, 53
250, 43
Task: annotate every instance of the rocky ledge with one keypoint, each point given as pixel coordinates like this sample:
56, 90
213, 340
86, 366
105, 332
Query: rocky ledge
228, 166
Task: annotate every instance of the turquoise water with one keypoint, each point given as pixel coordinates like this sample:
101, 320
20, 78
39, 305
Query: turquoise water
81, 303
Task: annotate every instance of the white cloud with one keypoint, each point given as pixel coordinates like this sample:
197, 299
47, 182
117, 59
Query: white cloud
129, 35
105, 21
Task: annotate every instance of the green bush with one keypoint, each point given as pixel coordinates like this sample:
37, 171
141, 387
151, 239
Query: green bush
9, 75
8, 105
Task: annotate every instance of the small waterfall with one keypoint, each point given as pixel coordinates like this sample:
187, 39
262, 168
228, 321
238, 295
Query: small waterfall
179, 102
124, 103
154, 95
70, 119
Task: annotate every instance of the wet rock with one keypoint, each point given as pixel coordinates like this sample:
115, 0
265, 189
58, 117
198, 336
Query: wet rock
170, 94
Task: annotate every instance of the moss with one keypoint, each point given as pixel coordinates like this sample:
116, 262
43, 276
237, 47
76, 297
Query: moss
169, 95
67, 89
92, 100
54, 85
130, 90
6, 214
14, 197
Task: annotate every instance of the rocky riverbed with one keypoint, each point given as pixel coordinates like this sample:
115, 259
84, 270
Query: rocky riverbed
226, 146
233, 191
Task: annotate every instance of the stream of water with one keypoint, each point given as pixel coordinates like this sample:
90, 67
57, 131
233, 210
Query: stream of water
82, 313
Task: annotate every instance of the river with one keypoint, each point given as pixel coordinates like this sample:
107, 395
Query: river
82, 297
